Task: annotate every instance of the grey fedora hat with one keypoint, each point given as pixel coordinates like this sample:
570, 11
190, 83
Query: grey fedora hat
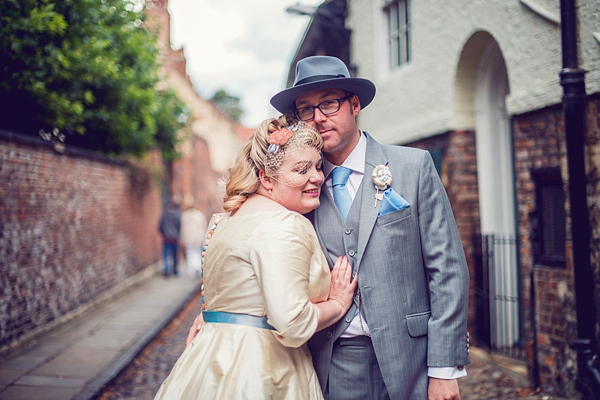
322, 72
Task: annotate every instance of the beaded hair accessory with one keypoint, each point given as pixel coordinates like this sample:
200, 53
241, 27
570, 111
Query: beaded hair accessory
280, 137
209, 233
285, 142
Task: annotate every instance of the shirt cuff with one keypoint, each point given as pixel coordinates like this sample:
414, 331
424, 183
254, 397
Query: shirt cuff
446, 372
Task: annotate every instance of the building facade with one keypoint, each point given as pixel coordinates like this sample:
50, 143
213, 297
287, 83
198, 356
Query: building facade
477, 84
211, 140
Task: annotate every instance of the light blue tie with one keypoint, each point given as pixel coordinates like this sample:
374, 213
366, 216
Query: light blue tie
341, 196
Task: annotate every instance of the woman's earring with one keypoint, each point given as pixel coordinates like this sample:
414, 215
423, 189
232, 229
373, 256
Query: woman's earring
269, 191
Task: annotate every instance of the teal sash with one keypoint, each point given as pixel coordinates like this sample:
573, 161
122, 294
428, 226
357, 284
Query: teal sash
222, 317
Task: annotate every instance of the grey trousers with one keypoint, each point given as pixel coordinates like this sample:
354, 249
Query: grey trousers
354, 372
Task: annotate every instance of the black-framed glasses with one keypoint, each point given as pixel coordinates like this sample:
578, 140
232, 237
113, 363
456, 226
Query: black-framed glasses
327, 107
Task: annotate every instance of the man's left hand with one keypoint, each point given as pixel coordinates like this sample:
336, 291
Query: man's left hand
443, 389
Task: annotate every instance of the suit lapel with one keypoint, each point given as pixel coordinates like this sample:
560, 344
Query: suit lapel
368, 213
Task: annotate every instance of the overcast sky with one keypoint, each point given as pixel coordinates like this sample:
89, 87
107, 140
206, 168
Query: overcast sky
242, 46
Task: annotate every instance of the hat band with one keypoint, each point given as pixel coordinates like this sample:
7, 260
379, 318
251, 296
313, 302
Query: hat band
316, 78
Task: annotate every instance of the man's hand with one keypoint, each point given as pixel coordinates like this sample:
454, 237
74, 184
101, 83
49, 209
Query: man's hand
443, 389
198, 322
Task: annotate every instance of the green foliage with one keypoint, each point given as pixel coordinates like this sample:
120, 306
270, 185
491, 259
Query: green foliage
228, 104
88, 68
166, 136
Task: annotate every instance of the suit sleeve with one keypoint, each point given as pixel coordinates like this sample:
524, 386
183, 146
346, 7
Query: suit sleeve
446, 267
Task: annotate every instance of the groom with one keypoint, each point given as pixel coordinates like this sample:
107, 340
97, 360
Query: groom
405, 337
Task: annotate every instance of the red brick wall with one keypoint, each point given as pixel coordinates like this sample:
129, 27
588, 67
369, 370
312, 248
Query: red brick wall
194, 181
72, 226
204, 183
459, 176
593, 184
539, 142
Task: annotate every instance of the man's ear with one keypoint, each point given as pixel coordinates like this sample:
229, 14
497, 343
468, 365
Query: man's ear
355, 103
265, 181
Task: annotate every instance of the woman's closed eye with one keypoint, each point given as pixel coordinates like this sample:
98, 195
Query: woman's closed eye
303, 168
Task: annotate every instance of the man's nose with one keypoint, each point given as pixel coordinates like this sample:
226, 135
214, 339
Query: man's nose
319, 116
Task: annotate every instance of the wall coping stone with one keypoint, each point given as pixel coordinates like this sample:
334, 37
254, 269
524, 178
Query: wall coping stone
61, 148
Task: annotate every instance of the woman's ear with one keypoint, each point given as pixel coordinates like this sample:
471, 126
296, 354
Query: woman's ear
265, 181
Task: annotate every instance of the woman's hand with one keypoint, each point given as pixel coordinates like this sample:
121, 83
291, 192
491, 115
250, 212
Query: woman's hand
196, 326
342, 286
341, 293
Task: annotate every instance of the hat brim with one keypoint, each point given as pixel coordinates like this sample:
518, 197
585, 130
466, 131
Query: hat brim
284, 101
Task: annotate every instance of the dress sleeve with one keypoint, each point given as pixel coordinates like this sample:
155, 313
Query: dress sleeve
281, 259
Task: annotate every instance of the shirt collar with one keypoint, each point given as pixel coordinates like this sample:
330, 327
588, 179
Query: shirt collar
355, 160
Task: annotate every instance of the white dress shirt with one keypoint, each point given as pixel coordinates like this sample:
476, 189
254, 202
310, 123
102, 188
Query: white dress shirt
356, 162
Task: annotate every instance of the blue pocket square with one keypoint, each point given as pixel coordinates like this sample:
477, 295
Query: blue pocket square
391, 202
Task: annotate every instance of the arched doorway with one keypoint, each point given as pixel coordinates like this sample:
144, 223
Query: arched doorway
481, 89
495, 178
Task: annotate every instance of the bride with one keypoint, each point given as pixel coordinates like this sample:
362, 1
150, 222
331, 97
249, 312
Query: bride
268, 287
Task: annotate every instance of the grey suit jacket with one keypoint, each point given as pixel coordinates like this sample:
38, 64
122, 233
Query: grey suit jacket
412, 272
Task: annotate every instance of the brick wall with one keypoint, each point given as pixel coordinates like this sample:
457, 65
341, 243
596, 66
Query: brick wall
459, 176
194, 181
72, 226
593, 184
539, 142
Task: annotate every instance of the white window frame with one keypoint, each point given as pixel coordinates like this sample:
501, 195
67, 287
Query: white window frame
397, 25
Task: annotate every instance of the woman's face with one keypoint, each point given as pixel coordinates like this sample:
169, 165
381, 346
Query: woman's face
299, 180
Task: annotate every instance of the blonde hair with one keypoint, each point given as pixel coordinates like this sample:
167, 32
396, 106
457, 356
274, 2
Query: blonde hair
243, 180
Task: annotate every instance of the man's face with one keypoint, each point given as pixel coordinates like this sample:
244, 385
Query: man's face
339, 130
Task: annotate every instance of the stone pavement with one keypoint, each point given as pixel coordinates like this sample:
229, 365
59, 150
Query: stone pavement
492, 376
74, 361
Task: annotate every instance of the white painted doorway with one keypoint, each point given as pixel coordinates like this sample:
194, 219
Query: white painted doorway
495, 178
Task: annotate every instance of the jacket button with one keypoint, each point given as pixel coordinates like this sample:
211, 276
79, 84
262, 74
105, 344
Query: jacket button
351, 253
460, 367
348, 231
329, 335
348, 318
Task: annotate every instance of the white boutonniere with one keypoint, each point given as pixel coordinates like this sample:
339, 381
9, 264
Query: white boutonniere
382, 178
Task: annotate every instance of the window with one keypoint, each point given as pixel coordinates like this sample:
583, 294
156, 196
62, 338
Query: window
549, 220
397, 15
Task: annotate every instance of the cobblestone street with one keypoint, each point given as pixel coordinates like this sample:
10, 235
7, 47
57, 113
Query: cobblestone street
487, 381
142, 378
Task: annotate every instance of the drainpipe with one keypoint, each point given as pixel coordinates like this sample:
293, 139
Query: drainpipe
572, 79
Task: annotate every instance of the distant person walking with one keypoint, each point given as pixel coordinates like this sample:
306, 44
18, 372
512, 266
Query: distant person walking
193, 227
170, 227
